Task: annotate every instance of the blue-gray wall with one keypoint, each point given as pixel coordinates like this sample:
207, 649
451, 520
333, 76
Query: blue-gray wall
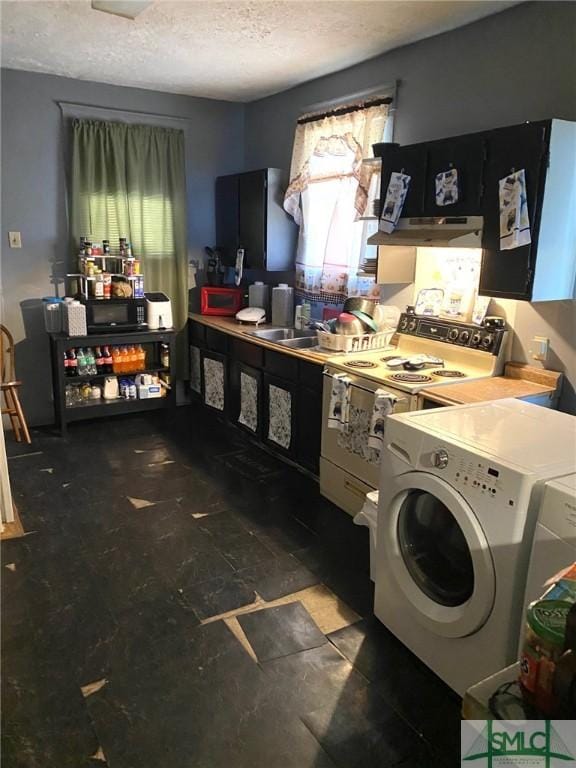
33, 194
517, 65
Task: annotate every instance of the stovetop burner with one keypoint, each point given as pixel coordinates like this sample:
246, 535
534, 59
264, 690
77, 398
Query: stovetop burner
360, 364
410, 378
449, 374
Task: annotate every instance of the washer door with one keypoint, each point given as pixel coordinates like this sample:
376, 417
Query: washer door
438, 554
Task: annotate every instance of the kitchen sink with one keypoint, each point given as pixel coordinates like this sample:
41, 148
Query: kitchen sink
282, 335
300, 342
287, 337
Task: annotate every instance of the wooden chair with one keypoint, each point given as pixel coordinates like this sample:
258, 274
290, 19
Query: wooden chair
9, 386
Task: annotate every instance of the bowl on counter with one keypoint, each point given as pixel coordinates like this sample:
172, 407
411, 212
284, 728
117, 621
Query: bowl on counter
358, 304
348, 325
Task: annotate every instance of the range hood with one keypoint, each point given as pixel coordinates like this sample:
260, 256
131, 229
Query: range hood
430, 232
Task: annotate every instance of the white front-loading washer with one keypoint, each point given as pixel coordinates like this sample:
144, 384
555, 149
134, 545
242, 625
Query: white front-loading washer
458, 500
554, 543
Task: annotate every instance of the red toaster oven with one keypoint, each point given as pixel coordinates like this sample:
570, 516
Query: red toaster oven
220, 301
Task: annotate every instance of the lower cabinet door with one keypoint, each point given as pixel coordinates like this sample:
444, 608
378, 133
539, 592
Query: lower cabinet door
280, 412
309, 428
214, 381
246, 398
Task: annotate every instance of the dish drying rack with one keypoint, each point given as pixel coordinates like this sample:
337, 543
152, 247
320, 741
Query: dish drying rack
337, 342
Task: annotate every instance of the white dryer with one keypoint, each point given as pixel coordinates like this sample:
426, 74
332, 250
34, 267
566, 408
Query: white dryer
459, 496
554, 544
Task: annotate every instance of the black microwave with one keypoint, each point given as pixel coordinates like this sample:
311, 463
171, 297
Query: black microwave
115, 315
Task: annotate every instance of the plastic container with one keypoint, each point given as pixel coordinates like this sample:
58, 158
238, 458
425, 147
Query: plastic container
74, 319
543, 645
259, 296
52, 314
283, 306
336, 342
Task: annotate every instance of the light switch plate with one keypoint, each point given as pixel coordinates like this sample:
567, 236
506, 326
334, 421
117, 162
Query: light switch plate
15, 239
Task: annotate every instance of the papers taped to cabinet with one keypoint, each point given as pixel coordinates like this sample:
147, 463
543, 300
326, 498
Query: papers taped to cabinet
514, 218
394, 202
447, 187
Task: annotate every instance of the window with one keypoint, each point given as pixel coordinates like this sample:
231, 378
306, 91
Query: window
329, 196
129, 181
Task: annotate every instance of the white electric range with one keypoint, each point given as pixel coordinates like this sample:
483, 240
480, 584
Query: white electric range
447, 352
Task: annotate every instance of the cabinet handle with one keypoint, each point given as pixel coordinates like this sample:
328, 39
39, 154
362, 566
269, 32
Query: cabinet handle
354, 489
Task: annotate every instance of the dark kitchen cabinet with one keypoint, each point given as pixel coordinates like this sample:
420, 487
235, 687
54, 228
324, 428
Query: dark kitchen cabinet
410, 160
227, 216
279, 423
510, 273
273, 397
467, 155
309, 428
250, 215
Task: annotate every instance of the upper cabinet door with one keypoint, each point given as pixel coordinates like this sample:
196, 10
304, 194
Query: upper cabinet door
510, 274
465, 154
227, 214
253, 213
410, 160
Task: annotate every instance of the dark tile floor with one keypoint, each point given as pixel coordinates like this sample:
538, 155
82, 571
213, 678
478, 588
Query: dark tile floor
113, 591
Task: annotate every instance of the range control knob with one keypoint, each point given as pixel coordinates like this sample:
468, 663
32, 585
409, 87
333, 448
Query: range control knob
477, 338
453, 334
465, 337
412, 325
403, 323
440, 459
488, 340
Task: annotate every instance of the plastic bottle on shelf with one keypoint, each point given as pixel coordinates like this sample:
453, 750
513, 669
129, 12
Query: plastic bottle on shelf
164, 355
141, 358
72, 370
81, 358
108, 362
100, 362
116, 359
132, 358
90, 362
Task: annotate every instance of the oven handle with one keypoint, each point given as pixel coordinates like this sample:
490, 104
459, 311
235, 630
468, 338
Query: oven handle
365, 389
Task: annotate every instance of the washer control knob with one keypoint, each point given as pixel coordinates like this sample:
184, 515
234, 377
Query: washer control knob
453, 334
412, 325
465, 337
440, 459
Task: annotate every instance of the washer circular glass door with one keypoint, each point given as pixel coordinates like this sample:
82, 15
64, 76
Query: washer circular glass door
434, 549
438, 554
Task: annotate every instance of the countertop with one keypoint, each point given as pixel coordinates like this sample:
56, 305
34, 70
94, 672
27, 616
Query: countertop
519, 380
232, 327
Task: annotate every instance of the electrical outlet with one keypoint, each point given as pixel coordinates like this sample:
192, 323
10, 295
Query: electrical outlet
15, 239
541, 345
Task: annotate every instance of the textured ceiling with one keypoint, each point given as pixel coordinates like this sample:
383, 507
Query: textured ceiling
238, 51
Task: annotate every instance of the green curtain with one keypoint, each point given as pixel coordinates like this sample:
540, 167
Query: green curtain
130, 181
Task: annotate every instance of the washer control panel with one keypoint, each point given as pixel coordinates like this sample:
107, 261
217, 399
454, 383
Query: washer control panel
472, 475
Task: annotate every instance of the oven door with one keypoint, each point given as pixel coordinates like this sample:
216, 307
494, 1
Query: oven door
350, 450
435, 552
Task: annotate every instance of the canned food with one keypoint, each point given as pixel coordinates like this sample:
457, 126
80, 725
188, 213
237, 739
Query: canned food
543, 646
